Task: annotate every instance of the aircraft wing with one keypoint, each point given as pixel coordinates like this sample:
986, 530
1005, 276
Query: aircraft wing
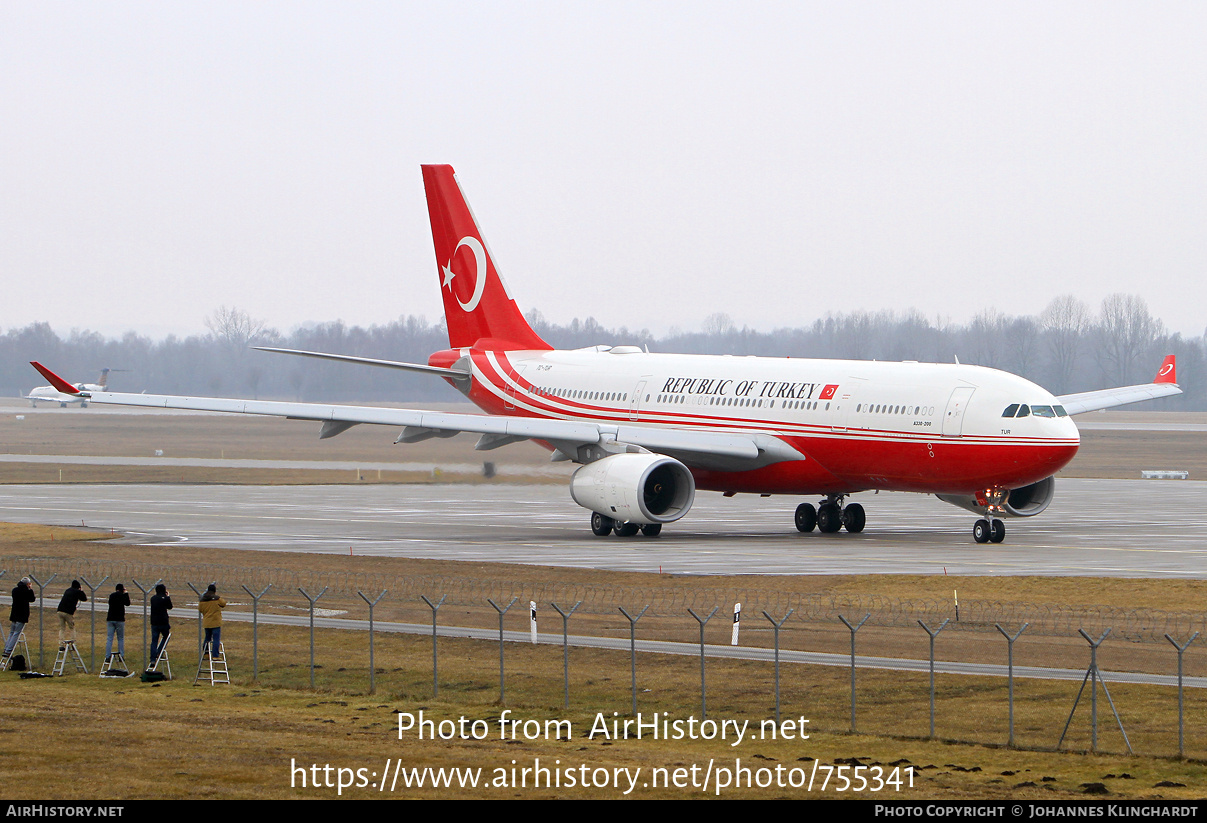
1164, 385
746, 449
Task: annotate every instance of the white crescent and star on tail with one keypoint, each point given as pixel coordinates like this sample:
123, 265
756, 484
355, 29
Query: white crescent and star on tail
474, 245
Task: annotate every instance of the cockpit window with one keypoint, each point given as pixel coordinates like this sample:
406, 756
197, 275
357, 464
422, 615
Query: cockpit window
1010, 410
1043, 411
1060, 411
1024, 411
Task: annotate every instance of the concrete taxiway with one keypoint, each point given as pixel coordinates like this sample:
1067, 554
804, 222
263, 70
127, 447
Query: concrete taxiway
1113, 528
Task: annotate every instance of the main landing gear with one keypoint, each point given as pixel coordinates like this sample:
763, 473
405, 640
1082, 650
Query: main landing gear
602, 526
989, 531
830, 516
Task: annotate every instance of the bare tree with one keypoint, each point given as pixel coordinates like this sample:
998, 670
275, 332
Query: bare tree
1065, 322
1125, 331
718, 323
234, 327
987, 338
1022, 345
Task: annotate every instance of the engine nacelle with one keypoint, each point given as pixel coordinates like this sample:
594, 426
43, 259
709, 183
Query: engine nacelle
1026, 501
635, 488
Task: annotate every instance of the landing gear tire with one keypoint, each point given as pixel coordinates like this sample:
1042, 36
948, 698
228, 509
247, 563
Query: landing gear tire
829, 518
981, 531
601, 525
626, 529
853, 518
806, 518
651, 529
997, 531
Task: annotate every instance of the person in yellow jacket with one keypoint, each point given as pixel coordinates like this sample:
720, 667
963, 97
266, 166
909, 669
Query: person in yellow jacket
211, 607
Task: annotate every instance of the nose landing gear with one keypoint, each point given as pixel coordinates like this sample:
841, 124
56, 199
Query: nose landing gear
990, 529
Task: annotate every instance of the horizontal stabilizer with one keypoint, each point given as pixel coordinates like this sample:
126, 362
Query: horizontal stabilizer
455, 374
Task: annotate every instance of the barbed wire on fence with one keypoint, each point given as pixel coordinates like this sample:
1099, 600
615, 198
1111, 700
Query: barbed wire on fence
1137, 624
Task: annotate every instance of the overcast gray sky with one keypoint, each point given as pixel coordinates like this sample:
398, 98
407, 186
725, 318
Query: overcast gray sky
645, 163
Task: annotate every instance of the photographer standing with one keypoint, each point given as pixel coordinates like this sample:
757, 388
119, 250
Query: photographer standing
211, 607
116, 619
23, 595
73, 597
161, 603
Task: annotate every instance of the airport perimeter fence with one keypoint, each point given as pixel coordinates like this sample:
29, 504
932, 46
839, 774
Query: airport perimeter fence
1068, 630
1052, 619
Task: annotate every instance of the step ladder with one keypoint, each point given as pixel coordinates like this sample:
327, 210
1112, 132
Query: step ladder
60, 661
112, 661
162, 659
213, 666
7, 659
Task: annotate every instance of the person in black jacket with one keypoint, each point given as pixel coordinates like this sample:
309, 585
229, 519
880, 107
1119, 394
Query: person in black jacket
23, 595
160, 628
66, 611
116, 619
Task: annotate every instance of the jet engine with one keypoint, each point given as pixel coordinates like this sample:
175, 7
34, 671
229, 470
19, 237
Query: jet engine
635, 488
1025, 501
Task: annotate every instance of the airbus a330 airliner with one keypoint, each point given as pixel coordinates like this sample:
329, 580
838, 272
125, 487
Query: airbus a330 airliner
648, 430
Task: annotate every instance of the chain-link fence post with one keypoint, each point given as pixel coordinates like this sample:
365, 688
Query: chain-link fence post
255, 629
853, 630
1010, 673
92, 614
566, 646
777, 658
372, 665
702, 621
1181, 728
146, 652
41, 614
502, 692
434, 607
932, 634
312, 600
633, 650
200, 629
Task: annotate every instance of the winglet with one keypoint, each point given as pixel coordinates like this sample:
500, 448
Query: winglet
1168, 373
59, 383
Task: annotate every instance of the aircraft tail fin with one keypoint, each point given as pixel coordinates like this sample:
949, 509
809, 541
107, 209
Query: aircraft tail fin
1168, 373
477, 305
60, 385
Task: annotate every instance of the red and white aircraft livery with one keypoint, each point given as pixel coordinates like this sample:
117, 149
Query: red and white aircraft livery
651, 429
